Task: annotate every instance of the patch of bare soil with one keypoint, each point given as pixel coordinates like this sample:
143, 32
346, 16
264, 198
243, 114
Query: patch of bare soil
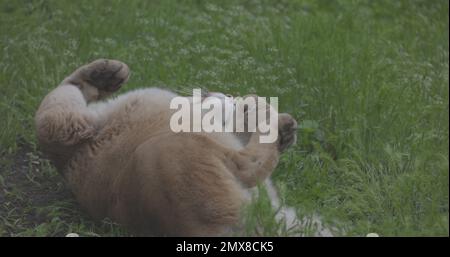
30, 188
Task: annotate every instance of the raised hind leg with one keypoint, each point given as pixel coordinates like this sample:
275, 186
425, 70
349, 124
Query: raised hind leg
63, 119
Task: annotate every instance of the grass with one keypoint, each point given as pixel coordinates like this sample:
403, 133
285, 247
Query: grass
368, 81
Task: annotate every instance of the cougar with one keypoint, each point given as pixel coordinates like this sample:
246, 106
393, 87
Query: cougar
122, 161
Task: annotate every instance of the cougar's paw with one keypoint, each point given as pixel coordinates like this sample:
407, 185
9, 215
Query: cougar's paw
287, 131
106, 75
65, 129
80, 129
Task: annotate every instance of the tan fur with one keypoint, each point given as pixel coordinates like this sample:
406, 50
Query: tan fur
122, 161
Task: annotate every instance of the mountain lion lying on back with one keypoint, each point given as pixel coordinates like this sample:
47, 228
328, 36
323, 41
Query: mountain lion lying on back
122, 161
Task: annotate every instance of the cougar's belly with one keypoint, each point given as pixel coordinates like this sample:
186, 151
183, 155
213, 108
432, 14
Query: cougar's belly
99, 167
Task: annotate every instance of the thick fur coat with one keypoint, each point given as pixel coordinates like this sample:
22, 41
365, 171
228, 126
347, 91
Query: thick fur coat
122, 161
